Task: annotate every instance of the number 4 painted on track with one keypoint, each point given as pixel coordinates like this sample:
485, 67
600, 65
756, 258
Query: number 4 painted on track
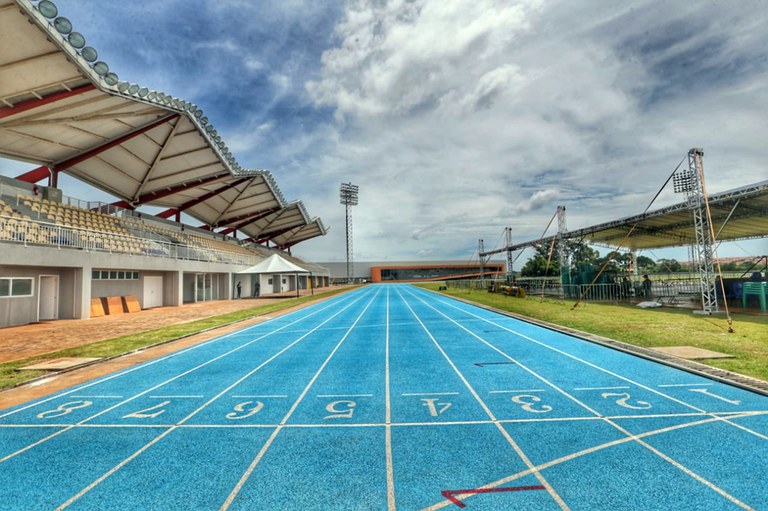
434, 411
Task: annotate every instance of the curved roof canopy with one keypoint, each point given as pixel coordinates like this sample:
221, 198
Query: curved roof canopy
738, 214
61, 107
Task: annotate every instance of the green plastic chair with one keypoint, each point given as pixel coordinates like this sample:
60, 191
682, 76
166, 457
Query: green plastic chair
754, 288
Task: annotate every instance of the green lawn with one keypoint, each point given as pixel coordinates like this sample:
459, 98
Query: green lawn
664, 326
10, 376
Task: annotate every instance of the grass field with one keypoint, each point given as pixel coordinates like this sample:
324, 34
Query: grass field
11, 377
650, 328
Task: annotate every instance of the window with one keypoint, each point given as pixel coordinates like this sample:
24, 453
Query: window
15, 287
269, 282
114, 275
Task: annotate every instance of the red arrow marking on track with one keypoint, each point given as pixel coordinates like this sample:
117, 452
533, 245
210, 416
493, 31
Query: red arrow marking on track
449, 494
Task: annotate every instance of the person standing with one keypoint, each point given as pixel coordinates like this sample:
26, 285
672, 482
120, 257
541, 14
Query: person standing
257, 289
646, 286
239, 289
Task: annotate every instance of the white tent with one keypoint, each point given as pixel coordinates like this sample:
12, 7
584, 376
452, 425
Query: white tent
276, 266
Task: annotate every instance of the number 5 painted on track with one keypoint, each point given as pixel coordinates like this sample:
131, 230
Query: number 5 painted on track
624, 397
343, 413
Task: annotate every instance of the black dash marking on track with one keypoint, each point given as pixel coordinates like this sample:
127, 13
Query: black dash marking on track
483, 364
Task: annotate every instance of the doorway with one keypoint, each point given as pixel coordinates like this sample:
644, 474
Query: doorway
48, 303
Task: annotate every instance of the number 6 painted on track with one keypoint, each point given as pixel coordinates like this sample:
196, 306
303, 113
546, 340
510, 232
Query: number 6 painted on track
343, 413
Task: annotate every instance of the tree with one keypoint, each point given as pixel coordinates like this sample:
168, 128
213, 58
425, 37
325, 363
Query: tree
670, 265
645, 263
536, 266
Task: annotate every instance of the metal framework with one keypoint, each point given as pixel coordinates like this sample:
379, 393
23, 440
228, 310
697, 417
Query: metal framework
510, 262
480, 250
348, 194
562, 252
691, 182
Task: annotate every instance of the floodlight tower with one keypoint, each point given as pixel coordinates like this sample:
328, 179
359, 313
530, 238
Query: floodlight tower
348, 194
510, 262
691, 183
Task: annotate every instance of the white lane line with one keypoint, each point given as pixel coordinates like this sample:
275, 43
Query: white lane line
265, 396
391, 504
590, 364
686, 385
150, 363
666, 458
604, 388
722, 416
176, 397
514, 391
147, 364
200, 408
555, 496
95, 397
581, 453
343, 395
431, 394
252, 466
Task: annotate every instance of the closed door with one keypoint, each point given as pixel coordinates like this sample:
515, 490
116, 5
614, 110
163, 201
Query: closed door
153, 292
49, 297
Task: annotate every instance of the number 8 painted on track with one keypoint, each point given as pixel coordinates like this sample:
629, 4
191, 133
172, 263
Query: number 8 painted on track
64, 409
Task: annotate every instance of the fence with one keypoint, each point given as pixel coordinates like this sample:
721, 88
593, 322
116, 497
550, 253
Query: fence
671, 290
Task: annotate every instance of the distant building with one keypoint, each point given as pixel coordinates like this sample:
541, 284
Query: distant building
412, 271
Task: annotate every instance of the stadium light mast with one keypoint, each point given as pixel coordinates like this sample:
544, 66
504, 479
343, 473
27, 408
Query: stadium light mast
348, 194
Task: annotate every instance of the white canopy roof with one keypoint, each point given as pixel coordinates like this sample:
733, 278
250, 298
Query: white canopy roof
275, 264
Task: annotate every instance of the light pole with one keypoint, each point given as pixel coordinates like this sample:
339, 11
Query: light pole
348, 194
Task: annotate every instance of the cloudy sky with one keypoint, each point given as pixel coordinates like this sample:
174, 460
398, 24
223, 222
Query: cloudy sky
458, 117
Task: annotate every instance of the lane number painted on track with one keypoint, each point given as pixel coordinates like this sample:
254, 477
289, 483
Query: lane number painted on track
340, 409
623, 399
528, 403
64, 409
712, 394
243, 410
435, 408
142, 414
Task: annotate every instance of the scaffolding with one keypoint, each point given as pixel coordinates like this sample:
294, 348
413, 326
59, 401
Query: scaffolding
691, 183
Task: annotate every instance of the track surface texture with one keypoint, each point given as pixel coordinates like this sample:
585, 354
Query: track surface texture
390, 397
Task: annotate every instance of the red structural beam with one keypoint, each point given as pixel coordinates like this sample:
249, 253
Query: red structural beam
8, 111
35, 175
159, 194
250, 216
194, 202
112, 143
269, 235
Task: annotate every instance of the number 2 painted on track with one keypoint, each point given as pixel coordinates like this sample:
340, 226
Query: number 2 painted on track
64, 409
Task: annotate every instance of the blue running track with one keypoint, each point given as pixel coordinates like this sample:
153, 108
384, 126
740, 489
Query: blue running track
390, 397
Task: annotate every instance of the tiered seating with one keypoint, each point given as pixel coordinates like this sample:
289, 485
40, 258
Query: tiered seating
89, 228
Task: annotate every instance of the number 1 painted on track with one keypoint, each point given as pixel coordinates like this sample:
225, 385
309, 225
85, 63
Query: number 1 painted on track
721, 398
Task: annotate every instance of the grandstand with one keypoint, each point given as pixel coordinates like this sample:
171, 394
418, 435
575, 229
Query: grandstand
62, 109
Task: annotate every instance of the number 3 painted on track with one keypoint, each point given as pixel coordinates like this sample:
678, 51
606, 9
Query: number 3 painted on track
528, 402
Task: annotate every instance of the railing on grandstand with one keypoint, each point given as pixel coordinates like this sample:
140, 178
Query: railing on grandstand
36, 232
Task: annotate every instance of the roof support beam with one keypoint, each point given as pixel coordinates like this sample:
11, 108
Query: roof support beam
35, 175
172, 211
8, 111
159, 194
269, 235
232, 202
155, 162
62, 165
250, 217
